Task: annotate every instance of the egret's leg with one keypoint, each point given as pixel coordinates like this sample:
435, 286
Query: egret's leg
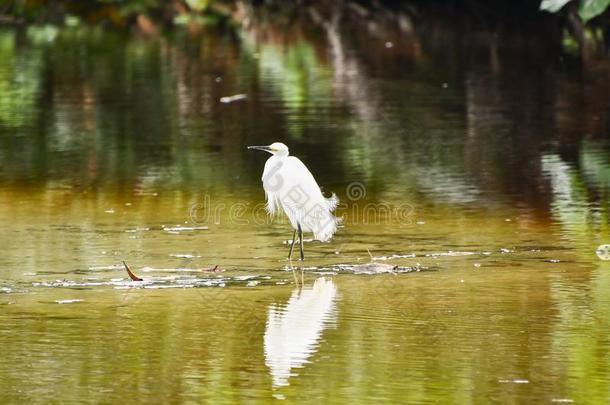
294, 235
301, 241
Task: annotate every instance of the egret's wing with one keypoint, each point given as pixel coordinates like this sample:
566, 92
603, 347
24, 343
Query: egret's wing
303, 202
301, 187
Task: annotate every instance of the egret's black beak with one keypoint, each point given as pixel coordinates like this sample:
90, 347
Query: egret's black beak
265, 148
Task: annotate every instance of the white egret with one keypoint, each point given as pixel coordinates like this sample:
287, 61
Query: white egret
290, 185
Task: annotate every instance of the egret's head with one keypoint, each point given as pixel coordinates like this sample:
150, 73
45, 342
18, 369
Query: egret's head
276, 148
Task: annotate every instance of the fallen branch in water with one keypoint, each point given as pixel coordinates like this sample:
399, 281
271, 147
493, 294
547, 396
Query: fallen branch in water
132, 276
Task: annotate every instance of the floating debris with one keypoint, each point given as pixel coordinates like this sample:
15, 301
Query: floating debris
231, 99
66, 284
68, 301
603, 252
449, 253
377, 268
132, 276
245, 277
171, 281
184, 255
163, 286
102, 268
176, 229
148, 269
516, 381
137, 230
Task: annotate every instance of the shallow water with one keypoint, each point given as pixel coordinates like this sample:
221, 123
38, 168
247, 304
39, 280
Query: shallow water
487, 172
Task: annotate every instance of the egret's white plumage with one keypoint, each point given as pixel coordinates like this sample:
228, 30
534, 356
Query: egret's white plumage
289, 185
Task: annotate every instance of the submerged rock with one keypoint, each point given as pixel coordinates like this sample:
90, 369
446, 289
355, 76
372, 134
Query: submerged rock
373, 268
378, 268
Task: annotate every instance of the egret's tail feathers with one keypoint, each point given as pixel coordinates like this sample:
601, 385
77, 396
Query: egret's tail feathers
313, 215
325, 229
332, 202
323, 223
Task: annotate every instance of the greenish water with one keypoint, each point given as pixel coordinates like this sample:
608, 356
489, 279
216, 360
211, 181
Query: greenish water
483, 163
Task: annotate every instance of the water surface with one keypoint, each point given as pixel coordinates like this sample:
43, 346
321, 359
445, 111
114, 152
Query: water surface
478, 159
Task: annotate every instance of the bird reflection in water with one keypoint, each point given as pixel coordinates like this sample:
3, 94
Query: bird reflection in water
293, 331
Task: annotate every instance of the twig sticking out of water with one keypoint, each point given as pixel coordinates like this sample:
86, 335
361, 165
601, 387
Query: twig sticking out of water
132, 276
214, 269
